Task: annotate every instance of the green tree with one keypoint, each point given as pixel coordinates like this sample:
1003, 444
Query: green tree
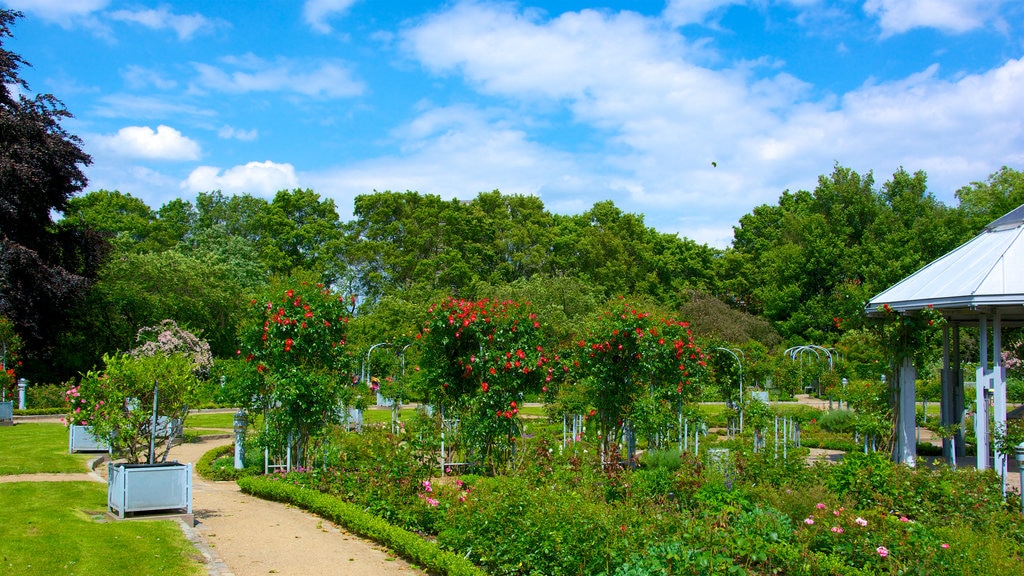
141, 289
810, 262
983, 202
299, 231
128, 221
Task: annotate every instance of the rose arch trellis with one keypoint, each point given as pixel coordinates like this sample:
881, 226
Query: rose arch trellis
980, 283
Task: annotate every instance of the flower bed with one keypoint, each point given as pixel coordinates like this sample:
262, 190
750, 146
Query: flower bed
561, 512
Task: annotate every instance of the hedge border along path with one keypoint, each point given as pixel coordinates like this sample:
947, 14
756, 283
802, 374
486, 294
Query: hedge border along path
427, 554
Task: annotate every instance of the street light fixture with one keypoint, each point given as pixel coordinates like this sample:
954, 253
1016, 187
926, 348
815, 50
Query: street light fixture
733, 351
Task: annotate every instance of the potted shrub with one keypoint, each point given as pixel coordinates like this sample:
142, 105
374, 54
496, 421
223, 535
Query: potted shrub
129, 402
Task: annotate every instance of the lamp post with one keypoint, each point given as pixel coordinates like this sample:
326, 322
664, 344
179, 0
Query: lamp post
240, 423
22, 385
733, 351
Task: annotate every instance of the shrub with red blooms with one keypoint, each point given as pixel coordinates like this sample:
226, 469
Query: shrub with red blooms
299, 369
480, 359
638, 368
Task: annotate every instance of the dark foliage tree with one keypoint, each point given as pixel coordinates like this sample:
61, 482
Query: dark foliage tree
42, 271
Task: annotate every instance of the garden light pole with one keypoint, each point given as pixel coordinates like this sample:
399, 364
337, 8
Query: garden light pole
365, 376
733, 351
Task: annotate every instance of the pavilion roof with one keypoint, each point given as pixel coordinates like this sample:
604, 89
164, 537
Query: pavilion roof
981, 275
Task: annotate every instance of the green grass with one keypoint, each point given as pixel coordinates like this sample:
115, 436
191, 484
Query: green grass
211, 420
383, 415
50, 528
38, 448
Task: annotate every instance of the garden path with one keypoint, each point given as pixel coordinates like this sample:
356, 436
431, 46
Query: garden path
248, 536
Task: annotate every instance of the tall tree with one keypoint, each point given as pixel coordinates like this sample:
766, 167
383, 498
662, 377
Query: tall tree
42, 272
983, 202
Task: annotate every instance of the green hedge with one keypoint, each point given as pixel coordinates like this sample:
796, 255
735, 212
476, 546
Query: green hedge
207, 468
40, 411
405, 543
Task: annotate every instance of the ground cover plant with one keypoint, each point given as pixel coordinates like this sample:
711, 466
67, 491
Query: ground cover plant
54, 528
38, 448
561, 512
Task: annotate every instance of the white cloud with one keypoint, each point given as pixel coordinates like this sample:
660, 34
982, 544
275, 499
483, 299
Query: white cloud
316, 12
460, 151
229, 133
139, 77
956, 16
156, 188
165, 143
664, 118
60, 11
185, 25
683, 12
136, 107
249, 73
256, 178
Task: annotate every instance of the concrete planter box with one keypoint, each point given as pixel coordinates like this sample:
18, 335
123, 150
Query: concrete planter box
6, 413
149, 488
81, 439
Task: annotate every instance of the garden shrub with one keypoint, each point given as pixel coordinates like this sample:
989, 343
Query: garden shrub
45, 396
508, 526
841, 421
376, 472
219, 464
670, 459
678, 558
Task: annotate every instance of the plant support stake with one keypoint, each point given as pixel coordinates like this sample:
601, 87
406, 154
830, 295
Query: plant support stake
152, 425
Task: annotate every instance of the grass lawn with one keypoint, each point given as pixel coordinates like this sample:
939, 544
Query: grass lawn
38, 448
383, 415
211, 420
49, 528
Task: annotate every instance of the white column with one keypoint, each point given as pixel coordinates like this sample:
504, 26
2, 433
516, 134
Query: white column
999, 394
981, 404
906, 422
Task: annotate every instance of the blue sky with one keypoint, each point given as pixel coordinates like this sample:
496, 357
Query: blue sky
690, 112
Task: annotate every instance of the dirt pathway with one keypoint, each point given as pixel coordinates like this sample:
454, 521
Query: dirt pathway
251, 537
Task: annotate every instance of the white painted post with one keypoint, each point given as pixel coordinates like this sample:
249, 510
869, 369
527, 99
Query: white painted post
22, 384
239, 425
906, 422
981, 403
999, 394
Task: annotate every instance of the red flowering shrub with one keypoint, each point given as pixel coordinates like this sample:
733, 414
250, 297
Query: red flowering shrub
480, 360
299, 370
638, 369
10, 345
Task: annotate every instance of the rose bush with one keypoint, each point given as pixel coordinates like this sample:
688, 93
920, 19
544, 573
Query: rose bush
299, 370
481, 358
639, 369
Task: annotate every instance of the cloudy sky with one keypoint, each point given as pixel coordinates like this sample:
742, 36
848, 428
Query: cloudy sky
690, 112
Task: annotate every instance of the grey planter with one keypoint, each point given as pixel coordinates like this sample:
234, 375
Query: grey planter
81, 439
149, 488
6, 413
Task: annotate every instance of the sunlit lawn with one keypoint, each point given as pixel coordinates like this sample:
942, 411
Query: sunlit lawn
51, 528
38, 448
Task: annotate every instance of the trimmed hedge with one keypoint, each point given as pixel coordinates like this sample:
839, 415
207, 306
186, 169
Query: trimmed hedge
426, 554
40, 411
205, 465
